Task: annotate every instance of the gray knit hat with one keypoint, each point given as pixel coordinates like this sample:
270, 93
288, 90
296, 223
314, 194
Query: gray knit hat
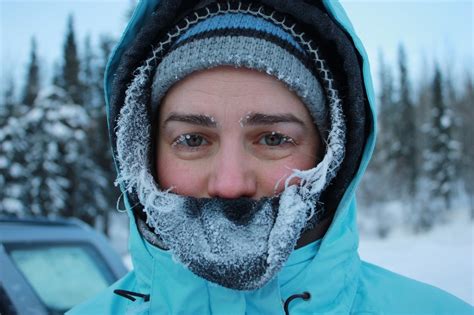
242, 39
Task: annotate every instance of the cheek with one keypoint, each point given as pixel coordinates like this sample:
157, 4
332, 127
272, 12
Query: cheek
271, 175
273, 181
180, 176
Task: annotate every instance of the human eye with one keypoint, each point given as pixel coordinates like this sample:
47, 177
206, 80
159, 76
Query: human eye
189, 141
275, 139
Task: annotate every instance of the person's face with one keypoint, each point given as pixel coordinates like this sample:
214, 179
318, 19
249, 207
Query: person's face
232, 133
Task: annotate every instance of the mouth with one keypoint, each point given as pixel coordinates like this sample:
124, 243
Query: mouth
239, 211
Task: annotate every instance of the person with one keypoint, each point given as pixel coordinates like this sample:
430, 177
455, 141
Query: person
240, 131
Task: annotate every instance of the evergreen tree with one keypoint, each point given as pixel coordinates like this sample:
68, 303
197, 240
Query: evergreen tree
423, 108
55, 152
12, 171
465, 111
100, 146
57, 75
32, 84
384, 158
440, 158
406, 144
381, 166
12, 148
8, 104
453, 102
89, 76
387, 112
69, 80
93, 186
9, 94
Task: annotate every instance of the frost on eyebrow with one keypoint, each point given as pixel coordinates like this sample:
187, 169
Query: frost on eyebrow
211, 118
195, 119
245, 118
254, 119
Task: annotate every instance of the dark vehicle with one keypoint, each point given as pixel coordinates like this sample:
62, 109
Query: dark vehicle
48, 266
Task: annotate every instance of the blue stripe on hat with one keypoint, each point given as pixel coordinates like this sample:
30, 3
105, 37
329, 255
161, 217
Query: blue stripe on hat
236, 21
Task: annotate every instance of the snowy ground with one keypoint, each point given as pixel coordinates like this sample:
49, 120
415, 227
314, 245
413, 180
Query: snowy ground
443, 257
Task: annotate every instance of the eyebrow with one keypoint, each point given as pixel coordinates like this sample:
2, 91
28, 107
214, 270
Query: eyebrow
200, 120
254, 119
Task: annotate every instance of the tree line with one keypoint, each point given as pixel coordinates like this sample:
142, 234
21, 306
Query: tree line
423, 159
55, 157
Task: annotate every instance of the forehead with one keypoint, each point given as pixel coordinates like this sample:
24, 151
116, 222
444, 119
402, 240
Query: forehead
233, 91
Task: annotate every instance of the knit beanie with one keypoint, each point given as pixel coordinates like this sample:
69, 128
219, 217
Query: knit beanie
242, 39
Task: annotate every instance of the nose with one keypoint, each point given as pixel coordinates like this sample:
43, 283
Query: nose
232, 175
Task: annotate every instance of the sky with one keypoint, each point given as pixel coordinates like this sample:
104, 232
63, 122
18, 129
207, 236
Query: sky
428, 29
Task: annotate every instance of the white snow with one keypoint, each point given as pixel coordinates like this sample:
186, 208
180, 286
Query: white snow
442, 257
446, 121
13, 205
3, 162
16, 170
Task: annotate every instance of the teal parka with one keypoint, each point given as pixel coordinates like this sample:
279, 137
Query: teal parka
330, 270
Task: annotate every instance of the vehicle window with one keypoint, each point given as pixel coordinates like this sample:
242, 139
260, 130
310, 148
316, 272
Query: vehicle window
6, 305
62, 276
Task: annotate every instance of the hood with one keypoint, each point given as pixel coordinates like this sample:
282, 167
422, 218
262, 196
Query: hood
344, 51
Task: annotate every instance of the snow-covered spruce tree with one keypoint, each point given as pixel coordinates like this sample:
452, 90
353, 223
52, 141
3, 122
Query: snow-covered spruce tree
32, 82
69, 77
440, 157
56, 150
8, 102
14, 142
453, 99
100, 146
100, 194
13, 146
87, 74
465, 112
374, 216
405, 135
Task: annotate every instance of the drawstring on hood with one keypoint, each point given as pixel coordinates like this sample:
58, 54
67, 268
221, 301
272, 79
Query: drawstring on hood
131, 295
305, 296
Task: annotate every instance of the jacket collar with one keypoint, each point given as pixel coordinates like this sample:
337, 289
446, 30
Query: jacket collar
331, 278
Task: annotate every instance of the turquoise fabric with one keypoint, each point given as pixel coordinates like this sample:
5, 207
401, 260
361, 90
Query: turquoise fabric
330, 269
297, 262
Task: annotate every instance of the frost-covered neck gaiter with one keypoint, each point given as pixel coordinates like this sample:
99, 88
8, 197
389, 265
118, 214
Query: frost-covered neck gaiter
239, 244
